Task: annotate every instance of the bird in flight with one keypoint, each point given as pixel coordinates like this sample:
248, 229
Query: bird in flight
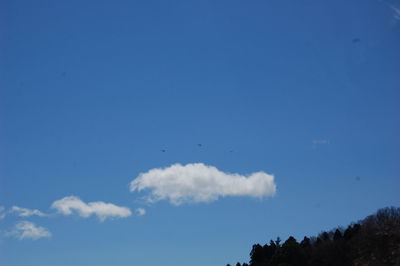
199, 145
355, 40
163, 150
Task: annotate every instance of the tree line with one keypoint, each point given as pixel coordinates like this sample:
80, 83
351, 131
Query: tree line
373, 241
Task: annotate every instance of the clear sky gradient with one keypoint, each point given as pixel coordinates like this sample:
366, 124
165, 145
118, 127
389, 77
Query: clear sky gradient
91, 92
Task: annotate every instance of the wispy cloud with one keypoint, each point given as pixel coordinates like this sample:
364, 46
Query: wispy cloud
72, 204
320, 142
27, 230
24, 212
2, 212
140, 211
200, 183
396, 11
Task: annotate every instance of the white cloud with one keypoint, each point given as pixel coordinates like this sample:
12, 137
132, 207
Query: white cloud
320, 142
140, 211
200, 183
2, 213
25, 229
24, 212
102, 210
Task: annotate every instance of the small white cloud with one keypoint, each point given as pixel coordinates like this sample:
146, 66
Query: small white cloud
24, 230
200, 183
102, 210
140, 211
320, 142
24, 212
2, 213
316, 143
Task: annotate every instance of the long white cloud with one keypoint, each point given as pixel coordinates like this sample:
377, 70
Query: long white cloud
71, 204
24, 229
198, 182
24, 212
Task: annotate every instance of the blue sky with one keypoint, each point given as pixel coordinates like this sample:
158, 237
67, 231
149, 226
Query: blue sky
91, 92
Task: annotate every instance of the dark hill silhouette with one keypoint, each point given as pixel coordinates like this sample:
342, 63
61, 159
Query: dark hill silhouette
373, 241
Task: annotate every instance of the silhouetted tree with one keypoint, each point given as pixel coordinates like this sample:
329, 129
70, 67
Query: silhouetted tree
256, 255
278, 241
337, 236
374, 241
325, 236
